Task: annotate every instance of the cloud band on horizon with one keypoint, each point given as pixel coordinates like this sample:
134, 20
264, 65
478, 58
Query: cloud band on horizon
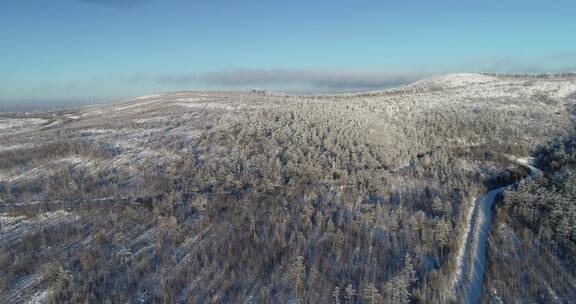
124, 4
294, 78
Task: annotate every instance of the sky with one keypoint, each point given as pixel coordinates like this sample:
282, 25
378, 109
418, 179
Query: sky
67, 51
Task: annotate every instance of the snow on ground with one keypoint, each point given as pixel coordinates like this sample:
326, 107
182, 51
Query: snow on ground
20, 291
5, 148
14, 124
207, 105
468, 278
54, 123
45, 170
32, 288
132, 130
453, 81
477, 252
39, 298
11, 224
14, 228
141, 102
528, 162
478, 85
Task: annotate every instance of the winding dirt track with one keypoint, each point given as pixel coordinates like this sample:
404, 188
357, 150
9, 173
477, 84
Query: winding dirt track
471, 259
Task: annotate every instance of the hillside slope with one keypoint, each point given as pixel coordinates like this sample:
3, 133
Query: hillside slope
251, 197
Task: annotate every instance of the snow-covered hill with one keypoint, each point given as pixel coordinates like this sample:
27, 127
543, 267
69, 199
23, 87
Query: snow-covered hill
251, 197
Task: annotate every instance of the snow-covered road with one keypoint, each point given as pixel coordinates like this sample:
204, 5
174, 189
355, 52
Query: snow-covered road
471, 259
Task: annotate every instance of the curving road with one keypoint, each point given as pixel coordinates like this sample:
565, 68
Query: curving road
471, 259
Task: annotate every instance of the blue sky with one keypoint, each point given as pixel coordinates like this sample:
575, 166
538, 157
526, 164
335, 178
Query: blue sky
103, 49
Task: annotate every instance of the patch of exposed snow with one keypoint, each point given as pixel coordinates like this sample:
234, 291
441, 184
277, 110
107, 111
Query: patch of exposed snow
46, 169
9, 124
453, 80
207, 105
40, 297
15, 147
139, 102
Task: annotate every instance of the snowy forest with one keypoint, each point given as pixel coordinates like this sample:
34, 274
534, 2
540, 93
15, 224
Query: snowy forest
533, 242
256, 197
